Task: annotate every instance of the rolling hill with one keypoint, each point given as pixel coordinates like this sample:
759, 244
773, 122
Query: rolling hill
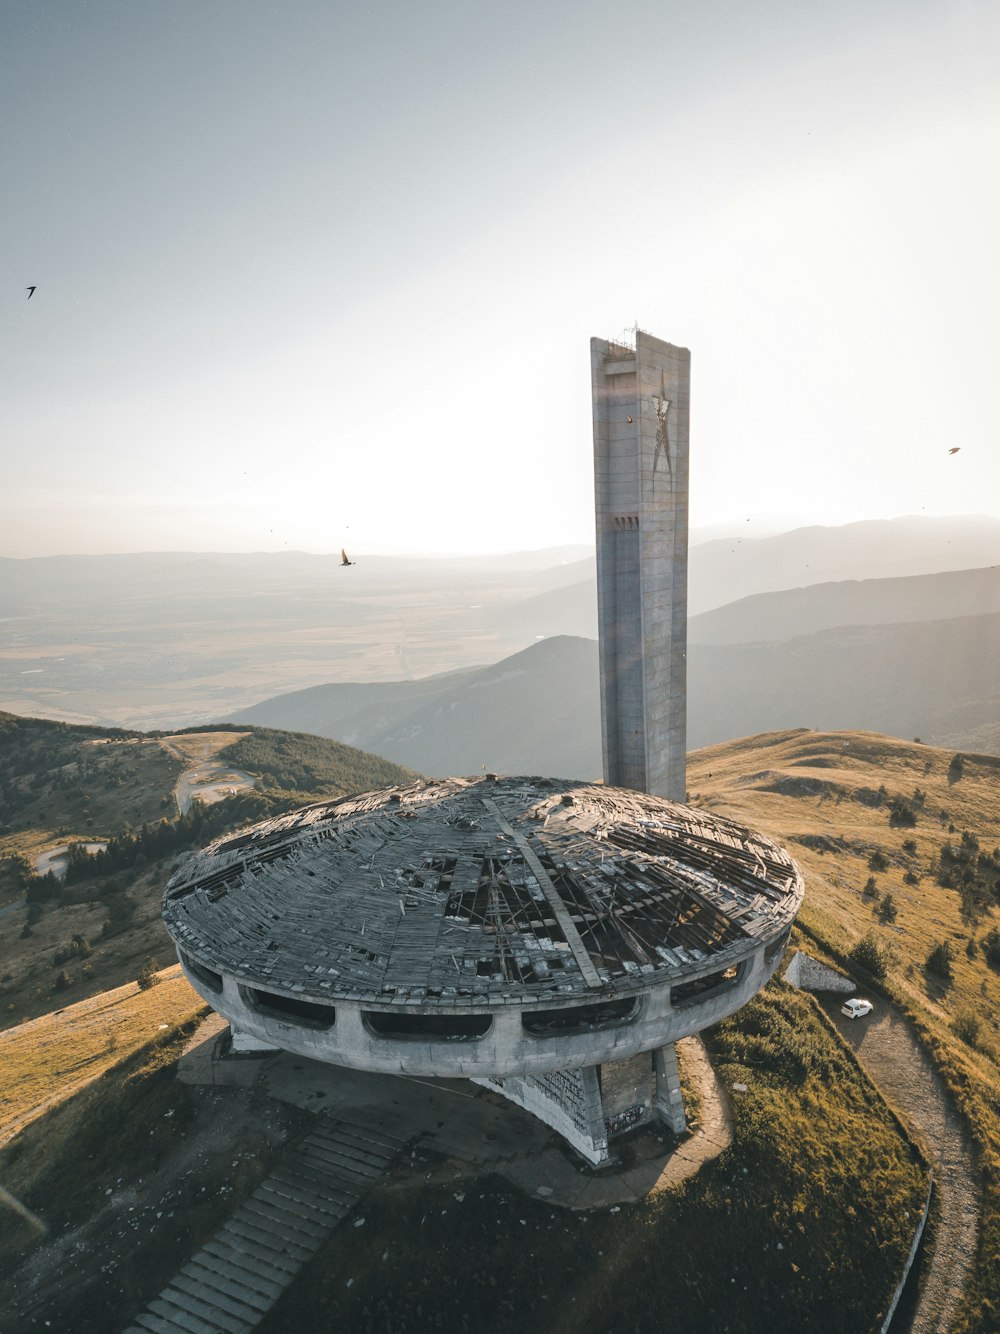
62, 785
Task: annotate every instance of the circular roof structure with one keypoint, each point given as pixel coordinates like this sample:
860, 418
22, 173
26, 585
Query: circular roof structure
466, 895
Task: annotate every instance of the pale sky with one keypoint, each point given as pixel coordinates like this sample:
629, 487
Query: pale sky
316, 273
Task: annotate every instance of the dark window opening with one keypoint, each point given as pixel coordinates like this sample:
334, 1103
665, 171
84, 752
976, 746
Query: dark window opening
207, 976
436, 1027
290, 1009
580, 1018
686, 993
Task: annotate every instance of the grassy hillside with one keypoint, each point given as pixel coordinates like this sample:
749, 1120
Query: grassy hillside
779, 1232
902, 841
62, 785
779, 1224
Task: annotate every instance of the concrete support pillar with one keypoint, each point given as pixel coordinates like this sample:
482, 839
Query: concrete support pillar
668, 1101
567, 1100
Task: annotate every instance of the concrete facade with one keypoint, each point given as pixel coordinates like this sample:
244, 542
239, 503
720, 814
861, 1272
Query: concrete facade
641, 407
550, 938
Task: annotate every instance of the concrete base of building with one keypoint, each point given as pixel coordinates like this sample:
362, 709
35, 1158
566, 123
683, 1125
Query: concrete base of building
590, 1106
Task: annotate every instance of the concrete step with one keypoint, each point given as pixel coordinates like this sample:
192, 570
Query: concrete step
336, 1159
326, 1188
210, 1311
258, 1268
285, 1221
389, 1129
230, 1281
262, 1232
355, 1141
207, 1288
326, 1213
147, 1323
181, 1319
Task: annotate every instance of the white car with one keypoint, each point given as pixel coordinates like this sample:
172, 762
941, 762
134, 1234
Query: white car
856, 1009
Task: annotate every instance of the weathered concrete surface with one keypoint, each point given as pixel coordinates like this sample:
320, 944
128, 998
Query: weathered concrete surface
808, 974
641, 405
479, 1131
890, 1051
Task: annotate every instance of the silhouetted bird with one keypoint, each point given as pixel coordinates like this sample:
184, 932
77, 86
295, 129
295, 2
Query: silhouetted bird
343, 558
30, 291
954, 449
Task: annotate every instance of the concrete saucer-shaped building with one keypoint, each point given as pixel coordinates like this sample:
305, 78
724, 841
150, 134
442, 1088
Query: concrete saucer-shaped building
548, 938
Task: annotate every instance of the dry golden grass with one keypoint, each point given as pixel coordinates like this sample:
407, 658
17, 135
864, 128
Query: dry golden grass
47, 1060
737, 780
798, 784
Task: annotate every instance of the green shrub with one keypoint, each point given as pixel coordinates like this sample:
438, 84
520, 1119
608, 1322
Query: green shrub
870, 955
146, 976
939, 961
966, 1027
887, 910
990, 945
901, 813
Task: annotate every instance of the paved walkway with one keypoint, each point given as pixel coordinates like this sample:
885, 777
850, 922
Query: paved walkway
891, 1052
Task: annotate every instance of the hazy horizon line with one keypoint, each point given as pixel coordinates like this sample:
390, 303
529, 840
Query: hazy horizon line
708, 532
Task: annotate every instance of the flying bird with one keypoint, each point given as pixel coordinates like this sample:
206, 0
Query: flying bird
343, 558
30, 291
954, 449
629, 420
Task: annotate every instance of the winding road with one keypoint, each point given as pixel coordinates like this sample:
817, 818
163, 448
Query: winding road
887, 1046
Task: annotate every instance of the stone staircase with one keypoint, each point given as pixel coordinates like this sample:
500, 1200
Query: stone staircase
237, 1276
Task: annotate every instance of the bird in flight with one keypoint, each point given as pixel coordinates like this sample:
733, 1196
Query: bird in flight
954, 449
344, 560
30, 291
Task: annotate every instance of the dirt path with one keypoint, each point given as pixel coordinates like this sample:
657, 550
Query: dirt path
206, 778
890, 1051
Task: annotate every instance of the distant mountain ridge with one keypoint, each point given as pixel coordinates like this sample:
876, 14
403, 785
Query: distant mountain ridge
539, 710
799, 611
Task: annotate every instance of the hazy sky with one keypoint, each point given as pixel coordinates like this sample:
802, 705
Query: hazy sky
315, 272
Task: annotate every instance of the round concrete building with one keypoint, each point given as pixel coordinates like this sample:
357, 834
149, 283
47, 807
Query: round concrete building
549, 938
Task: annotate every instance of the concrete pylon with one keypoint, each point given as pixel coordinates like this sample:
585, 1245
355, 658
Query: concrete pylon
641, 403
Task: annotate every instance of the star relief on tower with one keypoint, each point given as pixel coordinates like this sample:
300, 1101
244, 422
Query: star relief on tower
661, 404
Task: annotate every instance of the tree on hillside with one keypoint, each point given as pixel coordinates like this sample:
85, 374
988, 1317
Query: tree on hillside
939, 961
871, 956
887, 910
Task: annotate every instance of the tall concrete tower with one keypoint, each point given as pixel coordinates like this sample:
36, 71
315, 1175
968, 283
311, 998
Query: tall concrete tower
641, 399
